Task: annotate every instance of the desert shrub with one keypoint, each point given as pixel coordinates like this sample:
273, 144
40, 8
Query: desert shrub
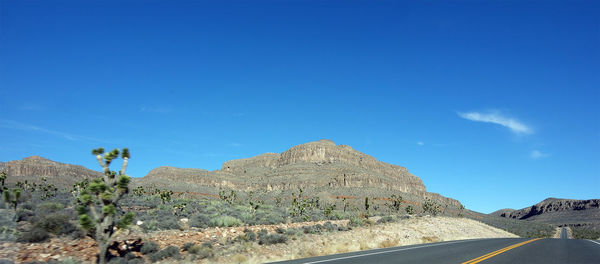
33, 235
279, 230
169, 252
187, 246
201, 252
6, 261
585, 233
293, 231
356, 221
313, 229
200, 220
330, 227
57, 224
226, 221
168, 223
149, 247
270, 239
24, 215
247, 236
48, 208
344, 228
386, 219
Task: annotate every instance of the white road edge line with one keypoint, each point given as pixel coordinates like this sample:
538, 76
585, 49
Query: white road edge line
388, 251
594, 242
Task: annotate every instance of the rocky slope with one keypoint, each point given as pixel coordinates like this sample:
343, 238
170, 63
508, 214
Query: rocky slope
34, 168
320, 166
562, 212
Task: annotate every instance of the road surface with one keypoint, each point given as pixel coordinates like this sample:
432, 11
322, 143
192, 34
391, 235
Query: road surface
497, 250
564, 234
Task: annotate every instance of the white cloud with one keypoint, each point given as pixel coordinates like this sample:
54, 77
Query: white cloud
27, 127
420, 143
495, 118
536, 154
235, 144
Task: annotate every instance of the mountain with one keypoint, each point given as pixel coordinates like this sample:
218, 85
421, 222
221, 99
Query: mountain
34, 168
562, 212
320, 167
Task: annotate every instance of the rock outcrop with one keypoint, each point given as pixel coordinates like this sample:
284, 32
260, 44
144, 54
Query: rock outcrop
34, 168
565, 212
322, 166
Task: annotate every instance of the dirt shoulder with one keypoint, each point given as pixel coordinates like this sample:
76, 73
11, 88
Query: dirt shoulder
226, 247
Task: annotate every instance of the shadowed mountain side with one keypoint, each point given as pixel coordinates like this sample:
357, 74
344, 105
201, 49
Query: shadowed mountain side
559, 212
316, 166
34, 168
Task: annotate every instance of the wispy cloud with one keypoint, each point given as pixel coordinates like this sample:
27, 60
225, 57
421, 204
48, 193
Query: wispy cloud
10, 124
496, 118
420, 143
536, 154
235, 144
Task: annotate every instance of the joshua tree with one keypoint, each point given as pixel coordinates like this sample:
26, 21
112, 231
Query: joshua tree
367, 205
11, 199
2, 179
104, 194
396, 202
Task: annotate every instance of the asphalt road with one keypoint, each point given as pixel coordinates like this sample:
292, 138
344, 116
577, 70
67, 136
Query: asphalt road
564, 234
498, 250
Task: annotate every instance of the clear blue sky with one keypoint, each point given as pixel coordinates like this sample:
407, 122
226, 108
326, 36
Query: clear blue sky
494, 103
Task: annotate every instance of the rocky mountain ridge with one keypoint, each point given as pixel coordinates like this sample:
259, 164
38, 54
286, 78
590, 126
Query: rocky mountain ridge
556, 211
321, 166
34, 168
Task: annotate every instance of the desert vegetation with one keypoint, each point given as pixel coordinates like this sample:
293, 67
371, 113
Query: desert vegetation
103, 208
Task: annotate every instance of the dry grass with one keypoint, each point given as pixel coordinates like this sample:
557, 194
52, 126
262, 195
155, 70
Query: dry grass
430, 239
389, 243
406, 232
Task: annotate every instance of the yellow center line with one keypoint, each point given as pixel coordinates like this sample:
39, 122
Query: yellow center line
497, 252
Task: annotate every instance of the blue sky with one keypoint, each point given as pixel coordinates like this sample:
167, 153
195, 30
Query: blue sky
494, 103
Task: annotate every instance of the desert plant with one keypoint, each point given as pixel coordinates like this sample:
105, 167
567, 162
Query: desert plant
149, 248
165, 196
229, 198
2, 179
409, 210
367, 205
269, 239
170, 251
104, 193
12, 198
431, 207
396, 203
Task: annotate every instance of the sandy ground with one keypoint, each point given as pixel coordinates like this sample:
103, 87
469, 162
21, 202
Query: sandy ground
414, 230
406, 232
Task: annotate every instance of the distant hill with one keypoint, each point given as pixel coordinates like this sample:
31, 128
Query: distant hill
34, 168
319, 167
561, 212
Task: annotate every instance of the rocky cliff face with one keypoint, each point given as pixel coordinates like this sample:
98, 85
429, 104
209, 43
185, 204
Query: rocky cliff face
316, 165
559, 211
34, 168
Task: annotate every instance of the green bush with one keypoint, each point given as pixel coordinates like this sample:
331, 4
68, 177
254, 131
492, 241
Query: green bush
247, 236
226, 221
585, 233
270, 239
201, 252
169, 252
33, 235
187, 246
149, 247
57, 224
386, 219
